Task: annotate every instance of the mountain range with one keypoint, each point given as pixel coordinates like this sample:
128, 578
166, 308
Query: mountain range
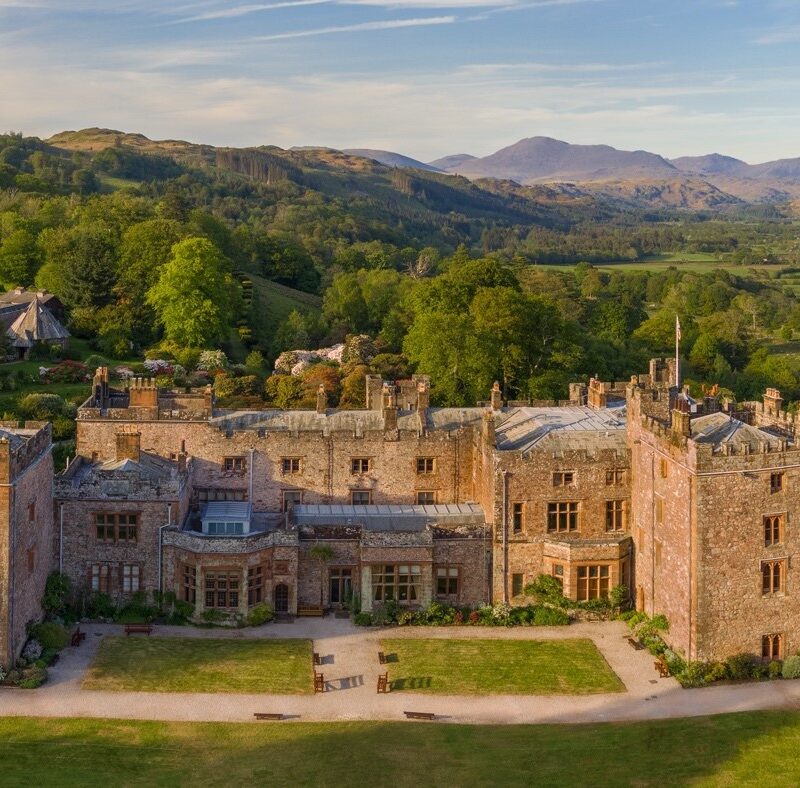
711, 181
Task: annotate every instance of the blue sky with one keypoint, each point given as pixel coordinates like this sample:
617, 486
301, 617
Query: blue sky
423, 77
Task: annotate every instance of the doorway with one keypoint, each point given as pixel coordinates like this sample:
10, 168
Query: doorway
340, 586
282, 598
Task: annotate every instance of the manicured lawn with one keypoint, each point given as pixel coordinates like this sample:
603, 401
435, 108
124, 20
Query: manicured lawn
752, 749
154, 664
500, 667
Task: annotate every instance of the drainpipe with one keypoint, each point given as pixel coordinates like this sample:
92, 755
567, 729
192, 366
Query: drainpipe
250, 480
505, 536
161, 548
61, 539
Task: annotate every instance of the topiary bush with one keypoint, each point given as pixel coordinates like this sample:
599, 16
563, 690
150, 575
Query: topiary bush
260, 614
740, 666
791, 667
774, 669
363, 619
50, 635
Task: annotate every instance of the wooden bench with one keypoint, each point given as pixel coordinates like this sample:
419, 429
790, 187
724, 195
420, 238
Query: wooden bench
319, 682
310, 611
662, 668
420, 715
382, 658
383, 682
317, 659
634, 643
77, 637
144, 629
264, 715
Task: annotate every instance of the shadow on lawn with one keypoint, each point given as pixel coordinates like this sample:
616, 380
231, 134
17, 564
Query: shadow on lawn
411, 683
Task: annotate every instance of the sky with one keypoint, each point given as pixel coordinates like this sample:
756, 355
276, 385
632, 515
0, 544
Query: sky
425, 78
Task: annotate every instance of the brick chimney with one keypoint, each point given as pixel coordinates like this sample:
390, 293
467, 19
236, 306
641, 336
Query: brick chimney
598, 393
488, 428
496, 397
389, 407
129, 445
143, 393
322, 399
423, 396
182, 458
773, 402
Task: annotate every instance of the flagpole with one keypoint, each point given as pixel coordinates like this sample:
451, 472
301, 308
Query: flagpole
677, 352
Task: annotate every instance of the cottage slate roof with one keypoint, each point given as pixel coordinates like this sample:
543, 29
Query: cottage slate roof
35, 324
389, 517
557, 428
719, 429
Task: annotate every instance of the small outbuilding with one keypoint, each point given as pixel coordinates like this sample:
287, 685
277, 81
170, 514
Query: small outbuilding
36, 324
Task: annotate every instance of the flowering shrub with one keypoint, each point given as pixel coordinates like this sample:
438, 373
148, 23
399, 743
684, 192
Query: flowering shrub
123, 373
67, 372
159, 366
212, 359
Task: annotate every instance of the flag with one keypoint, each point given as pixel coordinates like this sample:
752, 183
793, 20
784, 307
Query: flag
677, 328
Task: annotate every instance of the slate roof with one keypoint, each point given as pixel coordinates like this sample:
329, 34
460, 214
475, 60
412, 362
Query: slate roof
35, 324
719, 429
149, 466
389, 517
568, 427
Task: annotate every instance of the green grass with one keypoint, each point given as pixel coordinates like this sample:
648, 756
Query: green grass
484, 667
275, 302
153, 664
750, 749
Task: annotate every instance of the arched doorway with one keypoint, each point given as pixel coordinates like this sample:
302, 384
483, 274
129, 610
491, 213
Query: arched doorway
281, 598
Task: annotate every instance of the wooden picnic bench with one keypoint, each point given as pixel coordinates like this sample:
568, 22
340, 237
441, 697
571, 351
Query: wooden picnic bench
310, 611
383, 682
77, 637
319, 682
265, 715
382, 658
662, 668
420, 715
144, 629
634, 643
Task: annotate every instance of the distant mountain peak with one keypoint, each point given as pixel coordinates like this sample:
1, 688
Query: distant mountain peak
390, 159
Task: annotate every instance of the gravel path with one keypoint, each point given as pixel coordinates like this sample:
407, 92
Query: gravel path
351, 667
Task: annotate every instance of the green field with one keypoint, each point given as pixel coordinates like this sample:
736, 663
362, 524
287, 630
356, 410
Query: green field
505, 667
752, 749
275, 302
153, 664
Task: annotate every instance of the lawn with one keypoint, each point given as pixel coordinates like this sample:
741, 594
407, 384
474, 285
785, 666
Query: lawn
756, 748
503, 667
153, 664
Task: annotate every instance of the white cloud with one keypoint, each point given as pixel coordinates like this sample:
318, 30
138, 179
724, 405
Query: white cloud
232, 12
389, 24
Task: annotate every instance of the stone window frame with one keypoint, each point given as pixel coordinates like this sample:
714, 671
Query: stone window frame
204, 494
32, 512
432, 493
658, 509
189, 583
776, 479
564, 478
291, 465
360, 465
773, 523
566, 512
425, 465
615, 476
616, 514
230, 595
592, 586
30, 557
518, 511
663, 468
285, 502
772, 646
357, 492
773, 577
517, 584
116, 528
412, 585
235, 464
448, 577
100, 577
130, 578
256, 576
557, 572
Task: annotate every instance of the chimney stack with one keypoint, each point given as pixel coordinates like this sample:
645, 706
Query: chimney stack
681, 423
423, 396
129, 446
322, 399
773, 402
496, 397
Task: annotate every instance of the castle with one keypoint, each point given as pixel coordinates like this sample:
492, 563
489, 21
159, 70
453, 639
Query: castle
688, 504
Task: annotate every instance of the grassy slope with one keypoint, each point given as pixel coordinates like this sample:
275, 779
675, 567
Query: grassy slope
275, 302
482, 667
155, 664
739, 749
